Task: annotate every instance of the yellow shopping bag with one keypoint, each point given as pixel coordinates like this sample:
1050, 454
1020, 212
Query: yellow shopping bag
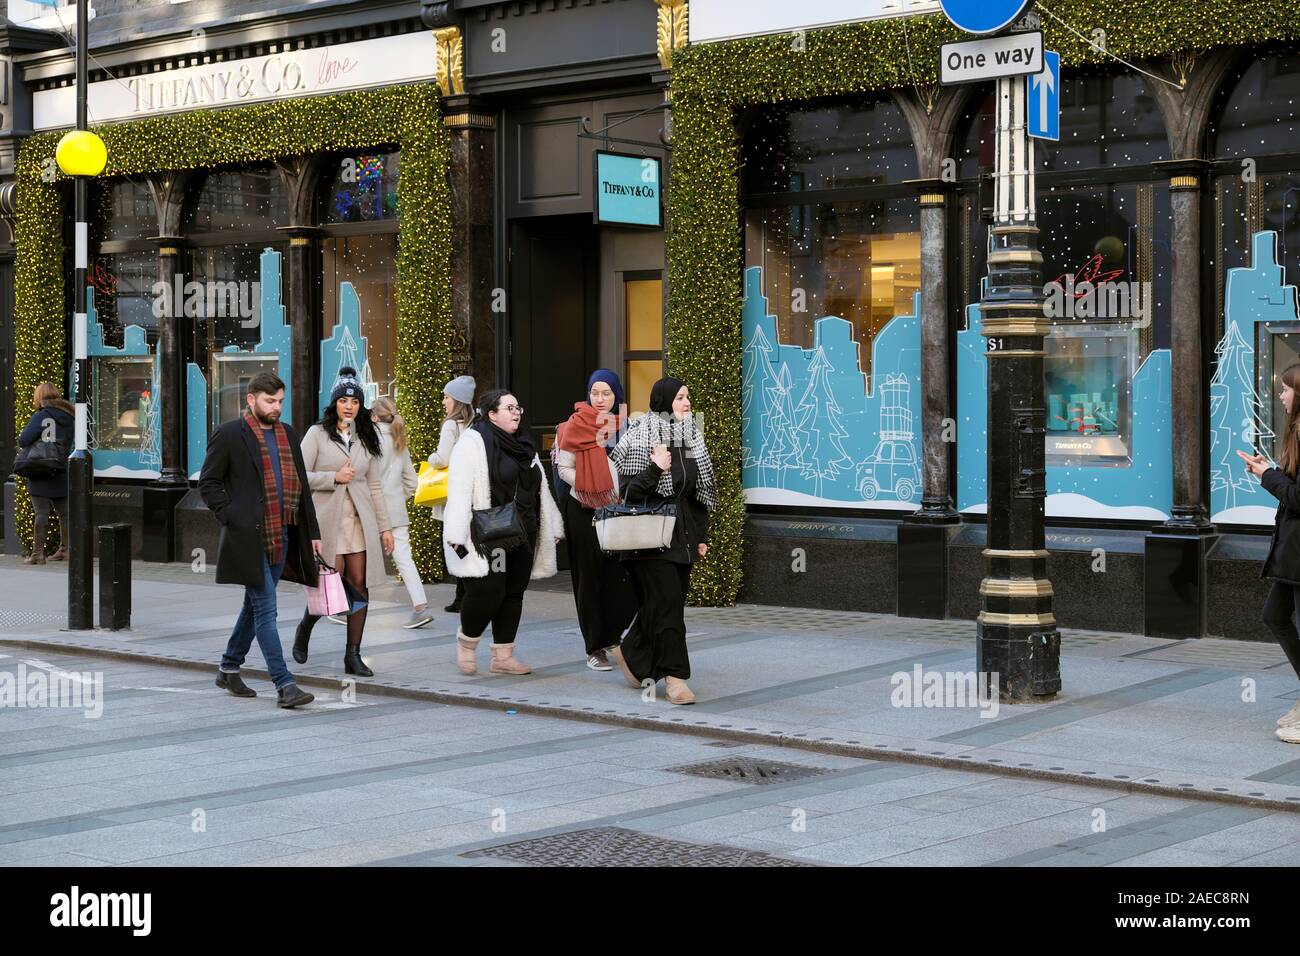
432, 487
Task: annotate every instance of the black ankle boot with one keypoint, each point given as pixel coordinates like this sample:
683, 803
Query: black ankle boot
353, 664
300, 639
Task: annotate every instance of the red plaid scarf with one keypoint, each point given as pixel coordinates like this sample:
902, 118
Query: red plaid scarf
274, 522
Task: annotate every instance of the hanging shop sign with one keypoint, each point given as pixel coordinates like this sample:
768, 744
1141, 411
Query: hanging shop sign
290, 73
717, 19
974, 61
983, 16
627, 190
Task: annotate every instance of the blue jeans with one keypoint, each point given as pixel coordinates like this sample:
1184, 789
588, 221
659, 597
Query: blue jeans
258, 619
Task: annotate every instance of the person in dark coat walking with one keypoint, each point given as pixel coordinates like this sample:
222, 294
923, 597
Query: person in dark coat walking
662, 459
586, 480
1282, 566
255, 482
52, 421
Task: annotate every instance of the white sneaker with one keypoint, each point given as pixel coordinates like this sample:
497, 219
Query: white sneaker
599, 662
1291, 718
1289, 734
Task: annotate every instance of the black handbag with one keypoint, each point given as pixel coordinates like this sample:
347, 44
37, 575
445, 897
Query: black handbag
497, 527
42, 459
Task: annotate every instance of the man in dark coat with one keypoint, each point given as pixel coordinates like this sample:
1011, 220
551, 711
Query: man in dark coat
255, 483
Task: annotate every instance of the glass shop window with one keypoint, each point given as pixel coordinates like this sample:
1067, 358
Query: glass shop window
124, 209
1106, 268
643, 337
1106, 120
362, 188
232, 219
839, 146
369, 262
1255, 137
860, 261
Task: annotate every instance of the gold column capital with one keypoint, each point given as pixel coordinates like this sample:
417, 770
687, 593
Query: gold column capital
672, 31
449, 60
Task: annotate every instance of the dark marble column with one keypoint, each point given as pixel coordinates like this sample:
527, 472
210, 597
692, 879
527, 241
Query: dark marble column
1176, 552
473, 275
171, 394
923, 535
303, 263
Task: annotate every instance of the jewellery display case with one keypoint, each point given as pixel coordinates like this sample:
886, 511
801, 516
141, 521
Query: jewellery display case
123, 389
1087, 386
231, 373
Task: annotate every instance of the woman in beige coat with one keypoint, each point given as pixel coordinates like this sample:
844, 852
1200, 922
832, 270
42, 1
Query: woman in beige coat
342, 456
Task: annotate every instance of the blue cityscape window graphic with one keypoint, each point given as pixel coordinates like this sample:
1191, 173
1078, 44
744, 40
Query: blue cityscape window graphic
814, 429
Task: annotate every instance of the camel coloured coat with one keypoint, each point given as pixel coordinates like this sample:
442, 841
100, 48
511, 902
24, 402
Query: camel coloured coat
323, 457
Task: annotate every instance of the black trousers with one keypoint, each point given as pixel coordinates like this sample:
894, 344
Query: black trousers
497, 599
602, 592
1280, 617
655, 646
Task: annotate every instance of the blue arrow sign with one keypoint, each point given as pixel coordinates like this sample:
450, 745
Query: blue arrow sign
983, 16
1043, 98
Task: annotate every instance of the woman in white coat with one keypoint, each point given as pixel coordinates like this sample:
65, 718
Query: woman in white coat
494, 463
400, 481
458, 404
341, 453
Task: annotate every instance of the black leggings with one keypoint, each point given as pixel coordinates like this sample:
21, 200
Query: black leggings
497, 599
1280, 617
353, 569
655, 645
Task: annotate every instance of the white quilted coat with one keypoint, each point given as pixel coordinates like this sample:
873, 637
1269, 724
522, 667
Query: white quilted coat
468, 490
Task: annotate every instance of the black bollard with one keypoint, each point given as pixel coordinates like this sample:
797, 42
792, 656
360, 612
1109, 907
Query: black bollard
115, 576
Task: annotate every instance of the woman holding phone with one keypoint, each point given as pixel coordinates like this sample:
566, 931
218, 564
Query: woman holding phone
1282, 566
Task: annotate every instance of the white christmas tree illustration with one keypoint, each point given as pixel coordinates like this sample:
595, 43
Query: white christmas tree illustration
1236, 417
823, 452
754, 403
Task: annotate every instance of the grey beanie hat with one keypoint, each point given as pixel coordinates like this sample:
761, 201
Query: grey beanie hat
461, 389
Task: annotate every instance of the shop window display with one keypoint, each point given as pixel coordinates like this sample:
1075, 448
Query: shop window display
1107, 272
369, 264
362, 188
1255, 262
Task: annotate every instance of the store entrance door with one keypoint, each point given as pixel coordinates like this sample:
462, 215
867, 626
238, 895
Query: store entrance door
553, 318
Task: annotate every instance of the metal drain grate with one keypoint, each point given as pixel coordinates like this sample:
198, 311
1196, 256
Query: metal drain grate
615, 846
749, 770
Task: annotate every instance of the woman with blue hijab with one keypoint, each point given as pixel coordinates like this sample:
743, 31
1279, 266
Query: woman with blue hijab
585, 481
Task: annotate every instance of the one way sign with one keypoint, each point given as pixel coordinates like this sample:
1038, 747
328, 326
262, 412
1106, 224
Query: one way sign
1043, 97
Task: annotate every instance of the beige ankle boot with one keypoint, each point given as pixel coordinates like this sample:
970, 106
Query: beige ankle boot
616, 655
467, 652
503, 661
677, 692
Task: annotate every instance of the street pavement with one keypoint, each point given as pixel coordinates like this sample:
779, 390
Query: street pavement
176, 773
1175, 727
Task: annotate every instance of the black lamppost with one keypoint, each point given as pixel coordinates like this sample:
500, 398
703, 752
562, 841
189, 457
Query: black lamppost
81, 154
1018, 641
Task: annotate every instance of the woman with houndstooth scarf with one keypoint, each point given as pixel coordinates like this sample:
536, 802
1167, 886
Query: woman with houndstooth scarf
662, 459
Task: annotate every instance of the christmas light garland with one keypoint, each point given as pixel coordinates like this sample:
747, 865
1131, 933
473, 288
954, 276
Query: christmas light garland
405, 116
704, 249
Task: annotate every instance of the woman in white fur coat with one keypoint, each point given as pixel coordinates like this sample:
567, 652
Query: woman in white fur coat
494, 463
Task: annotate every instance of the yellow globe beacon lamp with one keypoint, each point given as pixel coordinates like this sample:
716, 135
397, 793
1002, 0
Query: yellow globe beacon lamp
81, 153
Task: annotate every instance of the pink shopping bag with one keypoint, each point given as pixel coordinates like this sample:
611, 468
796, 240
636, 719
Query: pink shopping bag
329, 596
